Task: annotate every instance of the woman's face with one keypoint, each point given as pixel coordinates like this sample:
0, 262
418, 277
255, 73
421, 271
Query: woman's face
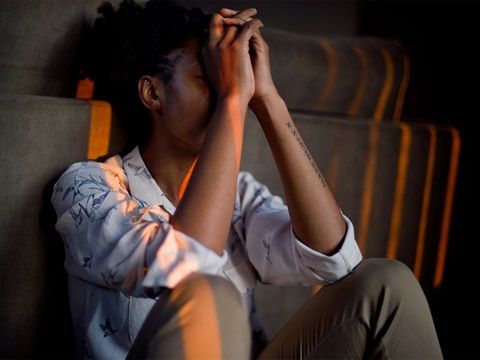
187, 99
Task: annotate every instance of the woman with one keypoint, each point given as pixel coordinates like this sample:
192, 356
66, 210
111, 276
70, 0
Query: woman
164, 246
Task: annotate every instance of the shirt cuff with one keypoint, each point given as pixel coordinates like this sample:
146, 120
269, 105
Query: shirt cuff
331, 268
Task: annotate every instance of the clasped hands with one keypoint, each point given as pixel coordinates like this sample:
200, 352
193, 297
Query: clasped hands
236, 56
237, 18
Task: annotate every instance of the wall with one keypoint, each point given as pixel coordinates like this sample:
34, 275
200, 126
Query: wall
304, 16
441, 38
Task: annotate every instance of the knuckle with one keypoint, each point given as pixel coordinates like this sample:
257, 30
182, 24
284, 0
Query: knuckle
222, 45
249, 24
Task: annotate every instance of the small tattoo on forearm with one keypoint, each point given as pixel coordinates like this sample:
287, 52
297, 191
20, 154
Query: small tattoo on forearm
307, 154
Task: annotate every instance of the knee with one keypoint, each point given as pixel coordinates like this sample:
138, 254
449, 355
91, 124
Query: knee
205, 299
198, 289
379, 274
385, 269
200, 284
196, 317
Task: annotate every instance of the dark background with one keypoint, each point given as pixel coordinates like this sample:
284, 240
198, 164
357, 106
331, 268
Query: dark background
441, 40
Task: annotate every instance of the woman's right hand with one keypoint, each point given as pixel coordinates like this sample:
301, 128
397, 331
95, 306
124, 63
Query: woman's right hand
226, 54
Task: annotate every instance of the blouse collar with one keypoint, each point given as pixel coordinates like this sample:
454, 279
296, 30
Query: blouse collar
142, 184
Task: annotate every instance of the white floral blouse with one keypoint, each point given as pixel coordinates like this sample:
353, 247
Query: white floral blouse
121, 250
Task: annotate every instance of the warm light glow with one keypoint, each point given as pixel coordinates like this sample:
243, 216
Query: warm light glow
366, 205
400, 186
100, 126
100, 120
196, 337
181, 191
316, 288
332, 74
417, 268
448, 207
85, 89
362, 83
387, 86
397, 115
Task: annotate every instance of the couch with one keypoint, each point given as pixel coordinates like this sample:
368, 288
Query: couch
394, 178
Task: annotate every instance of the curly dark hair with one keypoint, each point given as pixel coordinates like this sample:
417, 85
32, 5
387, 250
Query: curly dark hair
133, 40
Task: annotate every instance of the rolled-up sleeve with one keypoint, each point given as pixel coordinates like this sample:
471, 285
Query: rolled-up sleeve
277, 255
334, 267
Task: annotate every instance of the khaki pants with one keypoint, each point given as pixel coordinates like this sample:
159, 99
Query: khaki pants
378, 311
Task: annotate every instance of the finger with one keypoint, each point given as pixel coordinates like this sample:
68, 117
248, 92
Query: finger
231, 32
249, 28
235, 21
240, 18
225, 12
245, 15
216, 27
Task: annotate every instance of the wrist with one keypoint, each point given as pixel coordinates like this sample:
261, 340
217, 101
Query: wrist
266, 103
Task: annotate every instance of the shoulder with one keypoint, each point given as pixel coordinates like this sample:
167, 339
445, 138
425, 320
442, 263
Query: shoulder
108, 172
111, 165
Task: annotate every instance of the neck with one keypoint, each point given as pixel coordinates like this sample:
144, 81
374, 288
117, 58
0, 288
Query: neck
170, 171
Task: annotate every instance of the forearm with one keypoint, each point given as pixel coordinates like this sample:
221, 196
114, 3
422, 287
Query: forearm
206, 209
314, 212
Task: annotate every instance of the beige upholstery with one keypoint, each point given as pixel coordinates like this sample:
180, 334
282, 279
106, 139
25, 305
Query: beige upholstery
393, 178
338, 75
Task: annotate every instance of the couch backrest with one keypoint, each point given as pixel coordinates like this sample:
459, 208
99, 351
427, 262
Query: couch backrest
355, 77
39, 45
346, 76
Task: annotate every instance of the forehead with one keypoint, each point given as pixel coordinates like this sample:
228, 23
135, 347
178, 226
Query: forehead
189, 55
